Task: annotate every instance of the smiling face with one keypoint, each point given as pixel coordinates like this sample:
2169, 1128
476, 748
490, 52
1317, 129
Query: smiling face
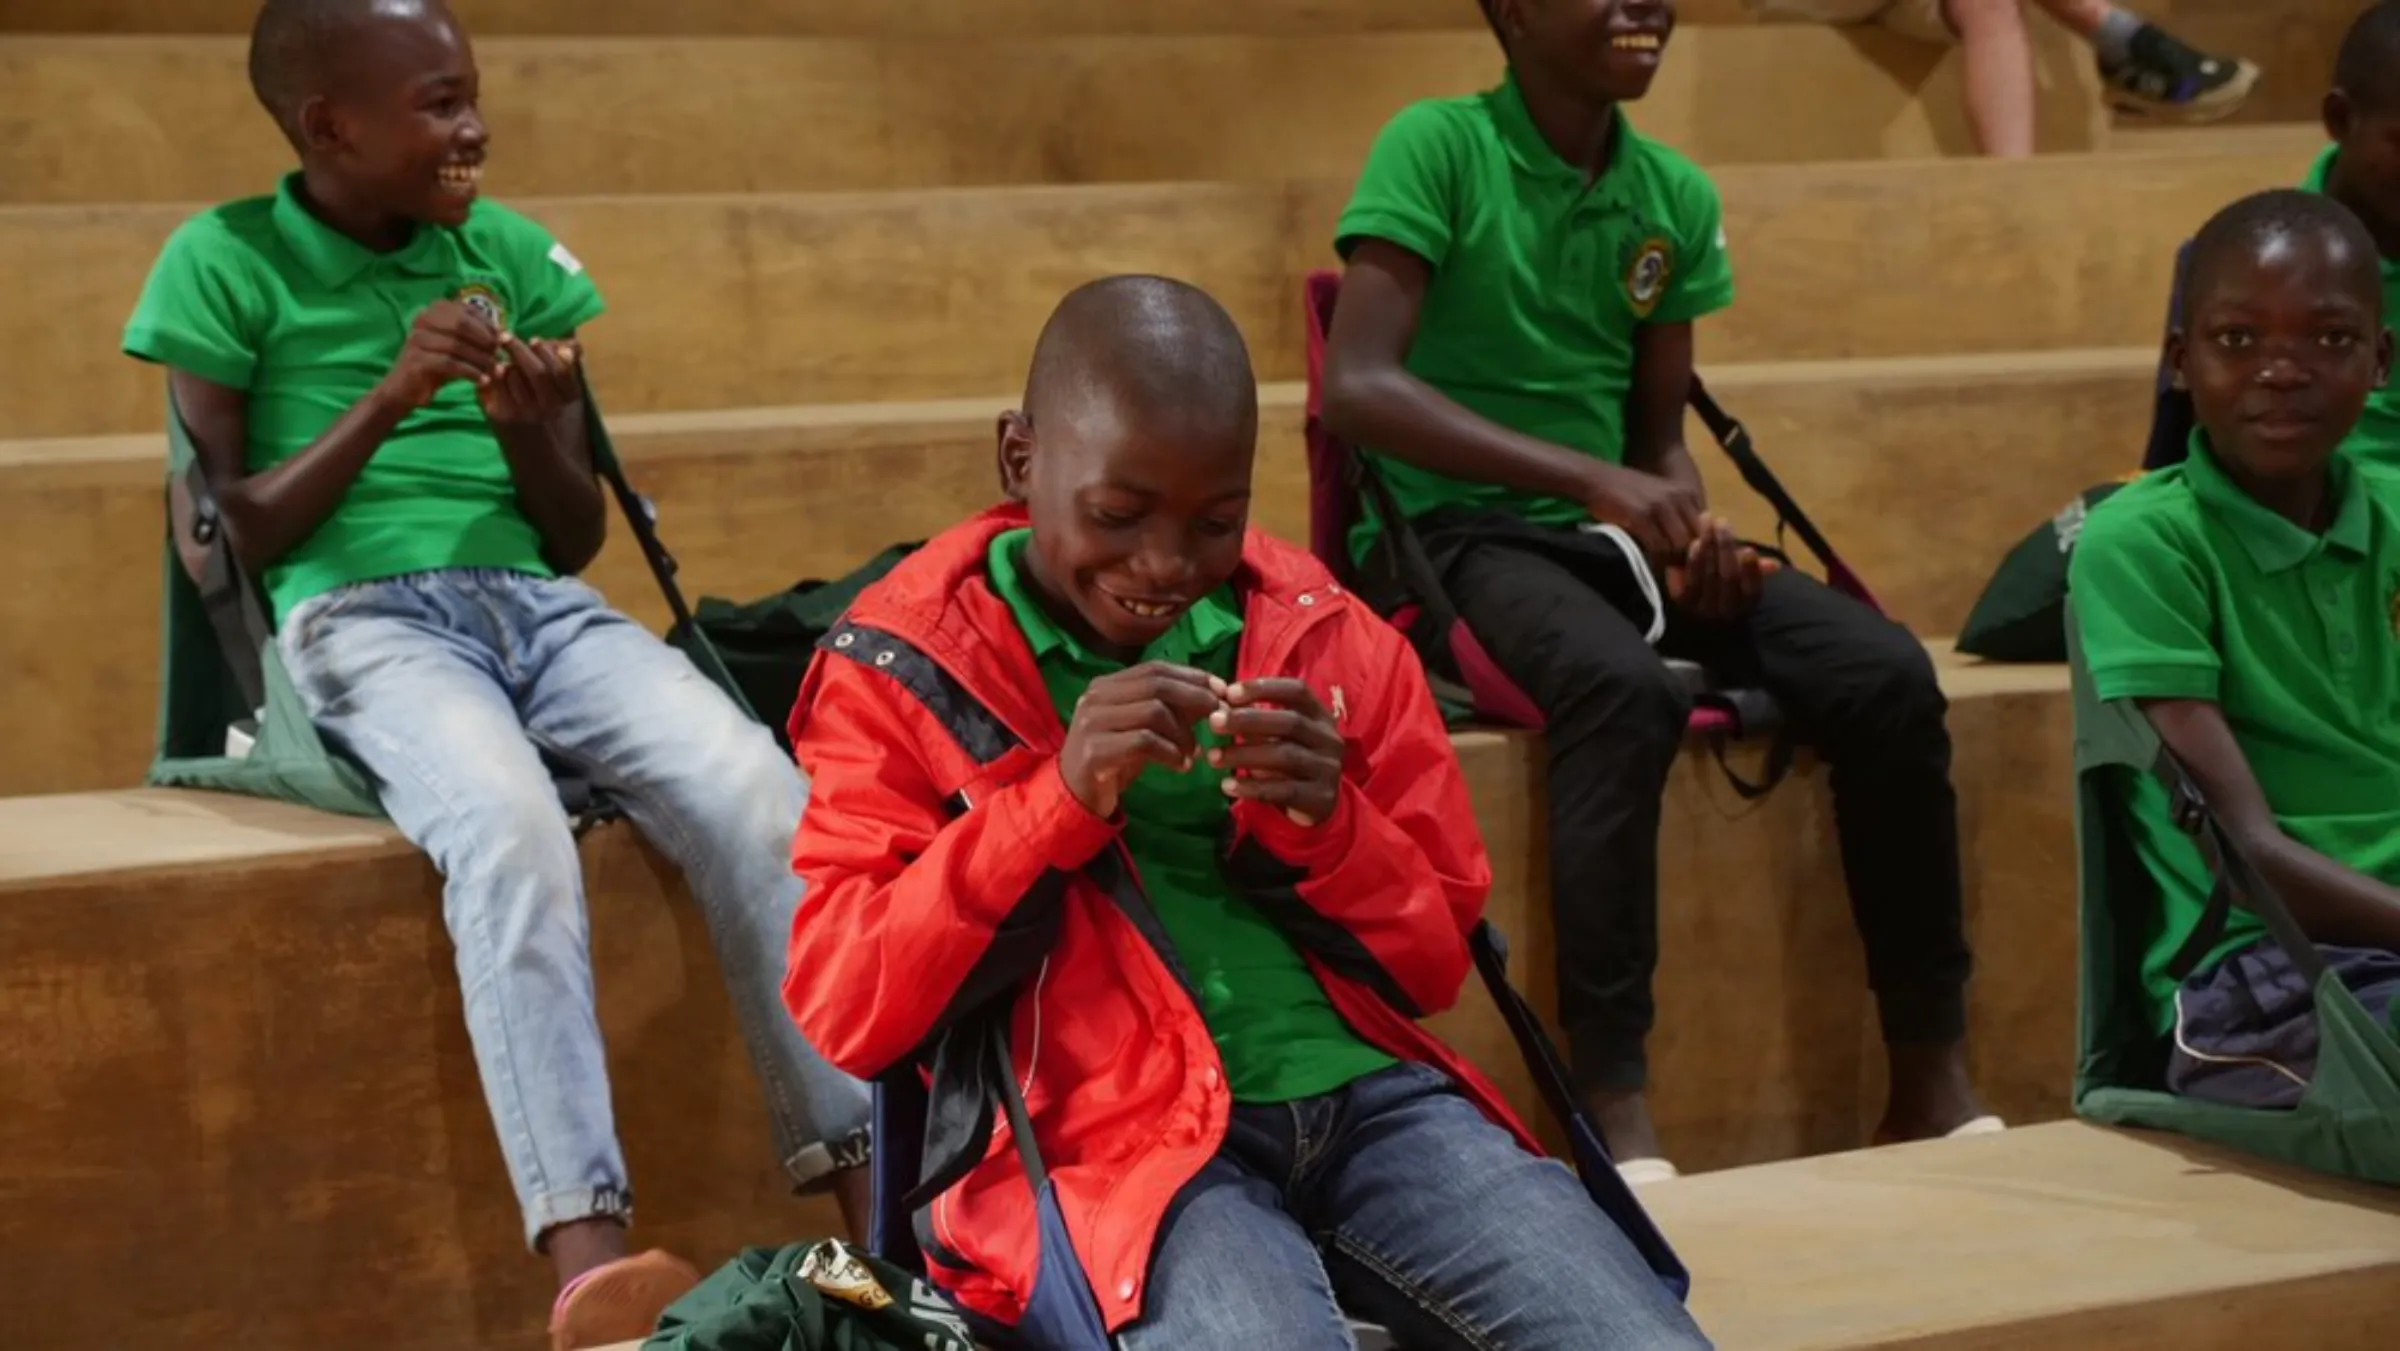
1132, 523
1608, 51
399, 127
2283, 345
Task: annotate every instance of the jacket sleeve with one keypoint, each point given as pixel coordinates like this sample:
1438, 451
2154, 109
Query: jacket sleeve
905, 890
1399, 871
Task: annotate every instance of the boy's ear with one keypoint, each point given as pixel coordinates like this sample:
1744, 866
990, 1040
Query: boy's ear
1016, 454
2338, 112
318, 128
2178, 344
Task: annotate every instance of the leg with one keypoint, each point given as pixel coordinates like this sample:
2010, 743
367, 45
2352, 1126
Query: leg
2246, 1032
1438, 1225
1233, 1271
2150, 70
709, 788
1862, 691
1616, 720
408, 681
1999, 78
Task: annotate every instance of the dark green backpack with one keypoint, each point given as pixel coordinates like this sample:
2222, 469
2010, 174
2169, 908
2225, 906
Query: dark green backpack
2022, 613
764, 646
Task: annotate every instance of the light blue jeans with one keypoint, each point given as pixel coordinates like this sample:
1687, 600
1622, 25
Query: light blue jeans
443, 685
1395, 1200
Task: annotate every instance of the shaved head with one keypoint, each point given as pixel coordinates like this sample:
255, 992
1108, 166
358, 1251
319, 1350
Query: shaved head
2262, 224
295, 43
1146, 352
2367, 67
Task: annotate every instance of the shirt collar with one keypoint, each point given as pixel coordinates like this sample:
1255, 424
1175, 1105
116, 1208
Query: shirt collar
1209, 624
1533, 153
2275, 544
336, 260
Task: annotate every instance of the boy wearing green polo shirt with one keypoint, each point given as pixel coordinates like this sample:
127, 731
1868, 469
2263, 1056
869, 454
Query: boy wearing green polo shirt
2249, 600
1514, 344
2361, 170
1216, 796
379, 373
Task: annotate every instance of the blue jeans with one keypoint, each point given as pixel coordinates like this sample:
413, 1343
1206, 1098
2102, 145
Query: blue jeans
443, 684
1397, 1201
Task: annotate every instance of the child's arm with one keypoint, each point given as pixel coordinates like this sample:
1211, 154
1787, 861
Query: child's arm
2333, 903
268, 514
1372, 399
1654, 417
904, 895
1393, 870
535, 404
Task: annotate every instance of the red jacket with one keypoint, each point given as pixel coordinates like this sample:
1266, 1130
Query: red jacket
936, 812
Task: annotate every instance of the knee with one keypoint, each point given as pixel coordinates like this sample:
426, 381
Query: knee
1896, 695
1638, 707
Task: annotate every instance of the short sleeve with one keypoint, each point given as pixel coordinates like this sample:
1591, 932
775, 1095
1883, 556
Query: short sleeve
1703, 284
554, 295
203, 309
1408, 191
2143, 605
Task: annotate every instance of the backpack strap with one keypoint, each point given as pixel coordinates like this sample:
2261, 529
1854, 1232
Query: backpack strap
2238, 882
227, 594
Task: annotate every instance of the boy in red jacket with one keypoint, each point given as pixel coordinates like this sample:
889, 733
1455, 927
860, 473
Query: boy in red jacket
1217, 794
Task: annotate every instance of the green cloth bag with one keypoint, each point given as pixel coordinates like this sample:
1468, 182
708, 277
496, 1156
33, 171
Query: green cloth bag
2348, 1122
824, 1296
2022, 613
201, 701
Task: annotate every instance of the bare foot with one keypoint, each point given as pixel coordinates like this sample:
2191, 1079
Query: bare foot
1932, 1094
1623, 1119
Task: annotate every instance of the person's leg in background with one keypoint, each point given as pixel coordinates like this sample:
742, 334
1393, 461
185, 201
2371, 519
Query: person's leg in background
408, 676
1998, 74
2149, 70
1616, 720
709, 788
1862, 693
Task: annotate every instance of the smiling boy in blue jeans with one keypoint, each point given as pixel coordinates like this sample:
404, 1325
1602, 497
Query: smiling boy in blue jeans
380, 375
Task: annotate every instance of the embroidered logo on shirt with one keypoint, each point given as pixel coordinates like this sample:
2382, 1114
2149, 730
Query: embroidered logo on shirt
1647, 275
486, 302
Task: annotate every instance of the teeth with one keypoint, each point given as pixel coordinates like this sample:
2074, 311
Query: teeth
462, 175
1145, 609
1637, 42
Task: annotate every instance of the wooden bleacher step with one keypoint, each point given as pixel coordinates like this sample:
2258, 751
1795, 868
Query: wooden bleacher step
728, 302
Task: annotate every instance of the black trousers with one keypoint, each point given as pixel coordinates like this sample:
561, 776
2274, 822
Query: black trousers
1559, 611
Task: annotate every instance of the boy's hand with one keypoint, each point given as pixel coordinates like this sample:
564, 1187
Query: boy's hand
1127, 722
448, 342
1286, 752
536, 381
1718, 577
1663, 516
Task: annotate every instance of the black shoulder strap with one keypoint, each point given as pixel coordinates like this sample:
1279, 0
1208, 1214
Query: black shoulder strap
2238, 882
226, 592
1734, 438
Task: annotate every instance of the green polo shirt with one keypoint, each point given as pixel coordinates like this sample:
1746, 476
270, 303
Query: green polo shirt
261, 296
1279, 1034
2377, 437
1540, 277
2186, 587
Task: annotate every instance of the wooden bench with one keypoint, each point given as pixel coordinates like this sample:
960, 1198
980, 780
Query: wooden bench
740, 301
2064, 1235
236, 1046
